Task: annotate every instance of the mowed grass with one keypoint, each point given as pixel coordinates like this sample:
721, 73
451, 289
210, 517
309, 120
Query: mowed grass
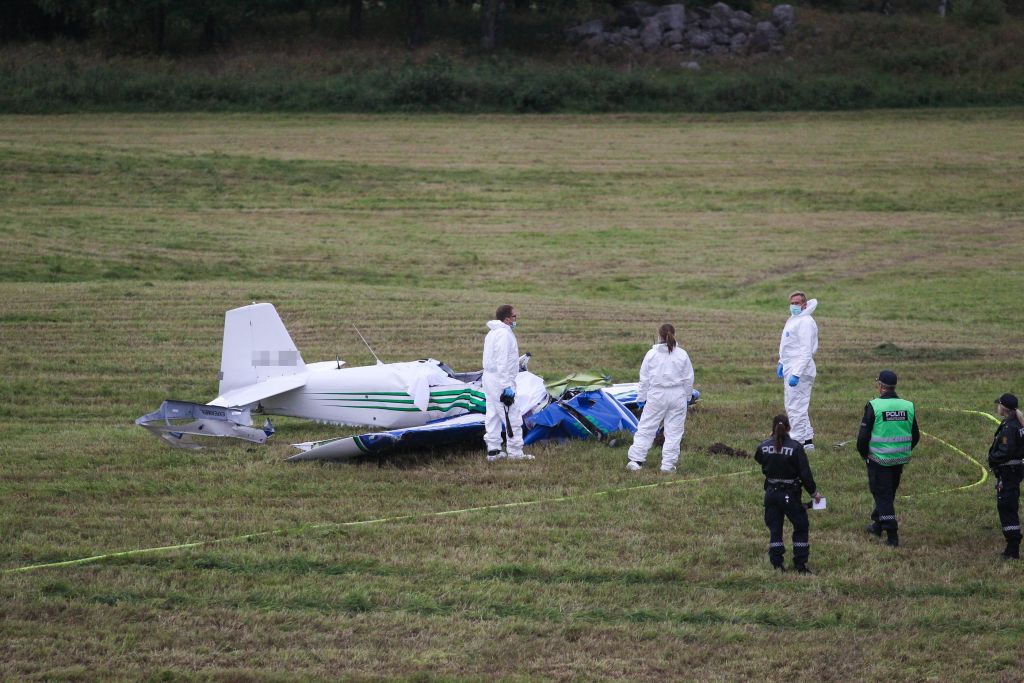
126, 238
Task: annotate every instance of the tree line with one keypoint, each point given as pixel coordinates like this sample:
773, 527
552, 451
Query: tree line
177, 26
153, 25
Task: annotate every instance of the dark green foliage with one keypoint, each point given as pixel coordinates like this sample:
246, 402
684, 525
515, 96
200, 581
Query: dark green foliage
918, 78
979, 12
834, 62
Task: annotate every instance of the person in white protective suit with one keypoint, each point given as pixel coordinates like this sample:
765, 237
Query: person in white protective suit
796, 366
666, 384
501, 365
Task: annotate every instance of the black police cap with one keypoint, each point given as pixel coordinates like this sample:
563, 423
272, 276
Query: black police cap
887, 377
1008, 400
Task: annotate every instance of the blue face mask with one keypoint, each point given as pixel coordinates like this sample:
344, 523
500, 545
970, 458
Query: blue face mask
513, 324
794, 309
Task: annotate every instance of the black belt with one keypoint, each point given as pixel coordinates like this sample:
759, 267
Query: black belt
787, 486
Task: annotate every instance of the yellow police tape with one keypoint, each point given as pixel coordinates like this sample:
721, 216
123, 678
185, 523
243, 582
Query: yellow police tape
443, 513
978, 412
364, 522
984, 470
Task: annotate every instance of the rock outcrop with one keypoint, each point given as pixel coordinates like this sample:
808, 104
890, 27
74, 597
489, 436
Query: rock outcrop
642, 27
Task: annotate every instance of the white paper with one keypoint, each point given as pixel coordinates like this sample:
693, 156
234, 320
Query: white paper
819, 505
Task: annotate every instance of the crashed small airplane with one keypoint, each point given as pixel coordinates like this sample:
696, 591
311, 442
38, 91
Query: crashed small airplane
577, 413
262, 371
416, 404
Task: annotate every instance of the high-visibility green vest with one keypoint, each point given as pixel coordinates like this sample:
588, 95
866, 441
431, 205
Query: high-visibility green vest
892, 433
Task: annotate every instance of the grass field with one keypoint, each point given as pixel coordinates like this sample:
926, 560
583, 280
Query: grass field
127, 237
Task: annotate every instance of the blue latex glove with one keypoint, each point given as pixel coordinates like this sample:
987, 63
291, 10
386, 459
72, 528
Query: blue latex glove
640, 405
508, 395
780, 372
794, 380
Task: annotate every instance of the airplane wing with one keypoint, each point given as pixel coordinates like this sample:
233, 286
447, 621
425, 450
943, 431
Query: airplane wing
589, 414
445, 432
254, 393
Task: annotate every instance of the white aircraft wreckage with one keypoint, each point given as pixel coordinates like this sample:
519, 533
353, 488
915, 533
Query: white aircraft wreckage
420, 404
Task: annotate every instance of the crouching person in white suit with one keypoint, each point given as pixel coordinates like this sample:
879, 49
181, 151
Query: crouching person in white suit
501, 366
666, 384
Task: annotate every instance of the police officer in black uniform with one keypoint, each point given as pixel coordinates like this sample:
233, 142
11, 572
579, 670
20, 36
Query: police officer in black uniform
786, 469
1004, 458
888, 434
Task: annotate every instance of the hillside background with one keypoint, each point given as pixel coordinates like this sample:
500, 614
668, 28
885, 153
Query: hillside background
440, 55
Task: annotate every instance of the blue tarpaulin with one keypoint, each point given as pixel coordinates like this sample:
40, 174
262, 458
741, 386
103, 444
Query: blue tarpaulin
587, 415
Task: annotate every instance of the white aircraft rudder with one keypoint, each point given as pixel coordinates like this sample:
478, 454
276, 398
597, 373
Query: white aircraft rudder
257, 347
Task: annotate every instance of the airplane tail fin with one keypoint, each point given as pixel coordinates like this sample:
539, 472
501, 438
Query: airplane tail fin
257, 347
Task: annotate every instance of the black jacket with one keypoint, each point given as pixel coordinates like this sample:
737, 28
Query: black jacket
867, 423
1008, 444
788, 465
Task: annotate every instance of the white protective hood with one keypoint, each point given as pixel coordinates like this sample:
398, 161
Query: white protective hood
501, 354
809, 311
799, 343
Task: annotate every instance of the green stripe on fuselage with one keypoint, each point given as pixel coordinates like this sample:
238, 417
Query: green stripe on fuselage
413, 409
453, 399
372, 400
360, 393
445, 409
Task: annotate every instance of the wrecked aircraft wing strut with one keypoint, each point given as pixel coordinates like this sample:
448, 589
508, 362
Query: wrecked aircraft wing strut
177, 422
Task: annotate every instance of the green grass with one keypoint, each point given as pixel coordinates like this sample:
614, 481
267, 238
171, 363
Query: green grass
127, 237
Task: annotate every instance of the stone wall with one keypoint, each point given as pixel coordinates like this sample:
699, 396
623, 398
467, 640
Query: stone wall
642, 27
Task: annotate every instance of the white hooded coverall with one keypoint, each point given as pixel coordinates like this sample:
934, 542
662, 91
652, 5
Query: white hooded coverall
796, 353
501, 365
666, 383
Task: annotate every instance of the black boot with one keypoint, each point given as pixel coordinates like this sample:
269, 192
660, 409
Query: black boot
893, 538
1012, 551
874, 529
802, 569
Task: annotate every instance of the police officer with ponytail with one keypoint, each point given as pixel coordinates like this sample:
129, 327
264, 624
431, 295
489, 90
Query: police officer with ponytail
888, 434
1004, 458
786, 470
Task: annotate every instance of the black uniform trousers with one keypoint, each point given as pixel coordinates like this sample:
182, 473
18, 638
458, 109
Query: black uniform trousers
883, 481
780, 503
1008, 499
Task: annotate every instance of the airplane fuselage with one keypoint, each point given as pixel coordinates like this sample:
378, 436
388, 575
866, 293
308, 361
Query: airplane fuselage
374, 396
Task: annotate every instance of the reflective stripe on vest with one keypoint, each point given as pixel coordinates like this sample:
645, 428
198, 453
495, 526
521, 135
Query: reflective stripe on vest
892, 432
